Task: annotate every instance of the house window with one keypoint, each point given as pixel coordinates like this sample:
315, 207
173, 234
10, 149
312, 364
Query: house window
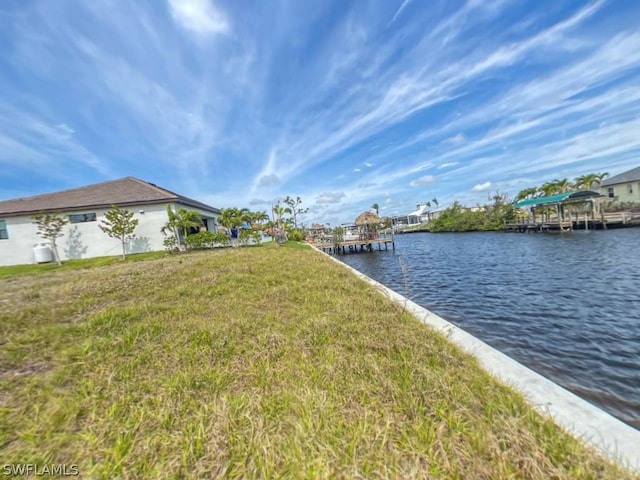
630, 189
610, 193
82, 217
4, 233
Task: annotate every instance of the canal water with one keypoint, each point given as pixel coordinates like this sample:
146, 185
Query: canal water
565, 305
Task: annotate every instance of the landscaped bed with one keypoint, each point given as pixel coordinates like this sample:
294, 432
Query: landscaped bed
253, 362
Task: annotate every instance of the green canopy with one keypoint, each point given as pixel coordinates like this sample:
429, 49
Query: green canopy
568, 197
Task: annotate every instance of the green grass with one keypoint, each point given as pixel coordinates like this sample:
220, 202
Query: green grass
299, 245
33, 269
253, 363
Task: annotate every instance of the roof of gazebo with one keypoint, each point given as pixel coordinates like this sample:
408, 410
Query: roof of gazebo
367, 218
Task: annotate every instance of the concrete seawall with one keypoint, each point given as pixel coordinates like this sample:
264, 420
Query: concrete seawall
611, 437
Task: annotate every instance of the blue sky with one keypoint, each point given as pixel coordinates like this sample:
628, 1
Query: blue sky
344, 103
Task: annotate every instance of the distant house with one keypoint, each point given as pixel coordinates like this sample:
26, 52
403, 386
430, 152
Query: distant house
84, 207
624, 187
421, 215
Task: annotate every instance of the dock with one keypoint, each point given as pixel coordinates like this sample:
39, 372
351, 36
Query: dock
364, 243
577, 222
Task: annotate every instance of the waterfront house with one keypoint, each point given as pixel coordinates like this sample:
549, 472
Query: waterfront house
423, 214
84, 207
624, 187
420, 215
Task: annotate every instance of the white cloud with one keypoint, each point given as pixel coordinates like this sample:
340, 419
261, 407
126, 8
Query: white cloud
424, 180
481, 187
54, 143
199, 16
65, 129
358, 100
330, 197
399, 11
395, 94
448, 164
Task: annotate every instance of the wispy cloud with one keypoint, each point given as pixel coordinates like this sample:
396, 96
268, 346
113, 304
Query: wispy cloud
481, 187
456, 140
330, 197
424, 180
198, 16
37, 144
399, 10
343, 106
65, 129
448, 164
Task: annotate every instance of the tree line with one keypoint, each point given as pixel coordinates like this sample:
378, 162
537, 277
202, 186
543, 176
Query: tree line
490, 217
493, 216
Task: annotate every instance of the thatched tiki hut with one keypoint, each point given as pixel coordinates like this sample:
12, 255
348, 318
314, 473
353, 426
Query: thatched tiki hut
368, 223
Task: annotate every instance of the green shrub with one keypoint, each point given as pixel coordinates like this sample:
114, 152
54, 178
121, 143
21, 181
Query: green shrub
296, 234
170, 244
256, 236
243, 236
203, 240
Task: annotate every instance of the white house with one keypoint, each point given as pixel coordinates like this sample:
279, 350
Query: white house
84, 207
624, 187
421, 215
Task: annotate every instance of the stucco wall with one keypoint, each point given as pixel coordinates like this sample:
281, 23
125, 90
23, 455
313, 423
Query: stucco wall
621, 192
86, 240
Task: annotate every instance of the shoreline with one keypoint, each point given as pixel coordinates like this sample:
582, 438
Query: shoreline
611, 437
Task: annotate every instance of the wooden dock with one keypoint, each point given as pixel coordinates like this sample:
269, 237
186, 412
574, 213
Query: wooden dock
362, 244
549, 226
578, 222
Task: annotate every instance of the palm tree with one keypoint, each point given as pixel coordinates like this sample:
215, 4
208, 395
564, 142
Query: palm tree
180, 222
526, 194
376, 207
547, 189
563, 185
258, 217
279, 211
601, 177
428, 205
434, 200
584, 182
233, 218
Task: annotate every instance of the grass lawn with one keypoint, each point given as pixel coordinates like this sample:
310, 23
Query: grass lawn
34, 269
253, 363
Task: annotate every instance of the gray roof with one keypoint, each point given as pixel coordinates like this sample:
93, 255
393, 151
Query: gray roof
632, 175
122, 192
